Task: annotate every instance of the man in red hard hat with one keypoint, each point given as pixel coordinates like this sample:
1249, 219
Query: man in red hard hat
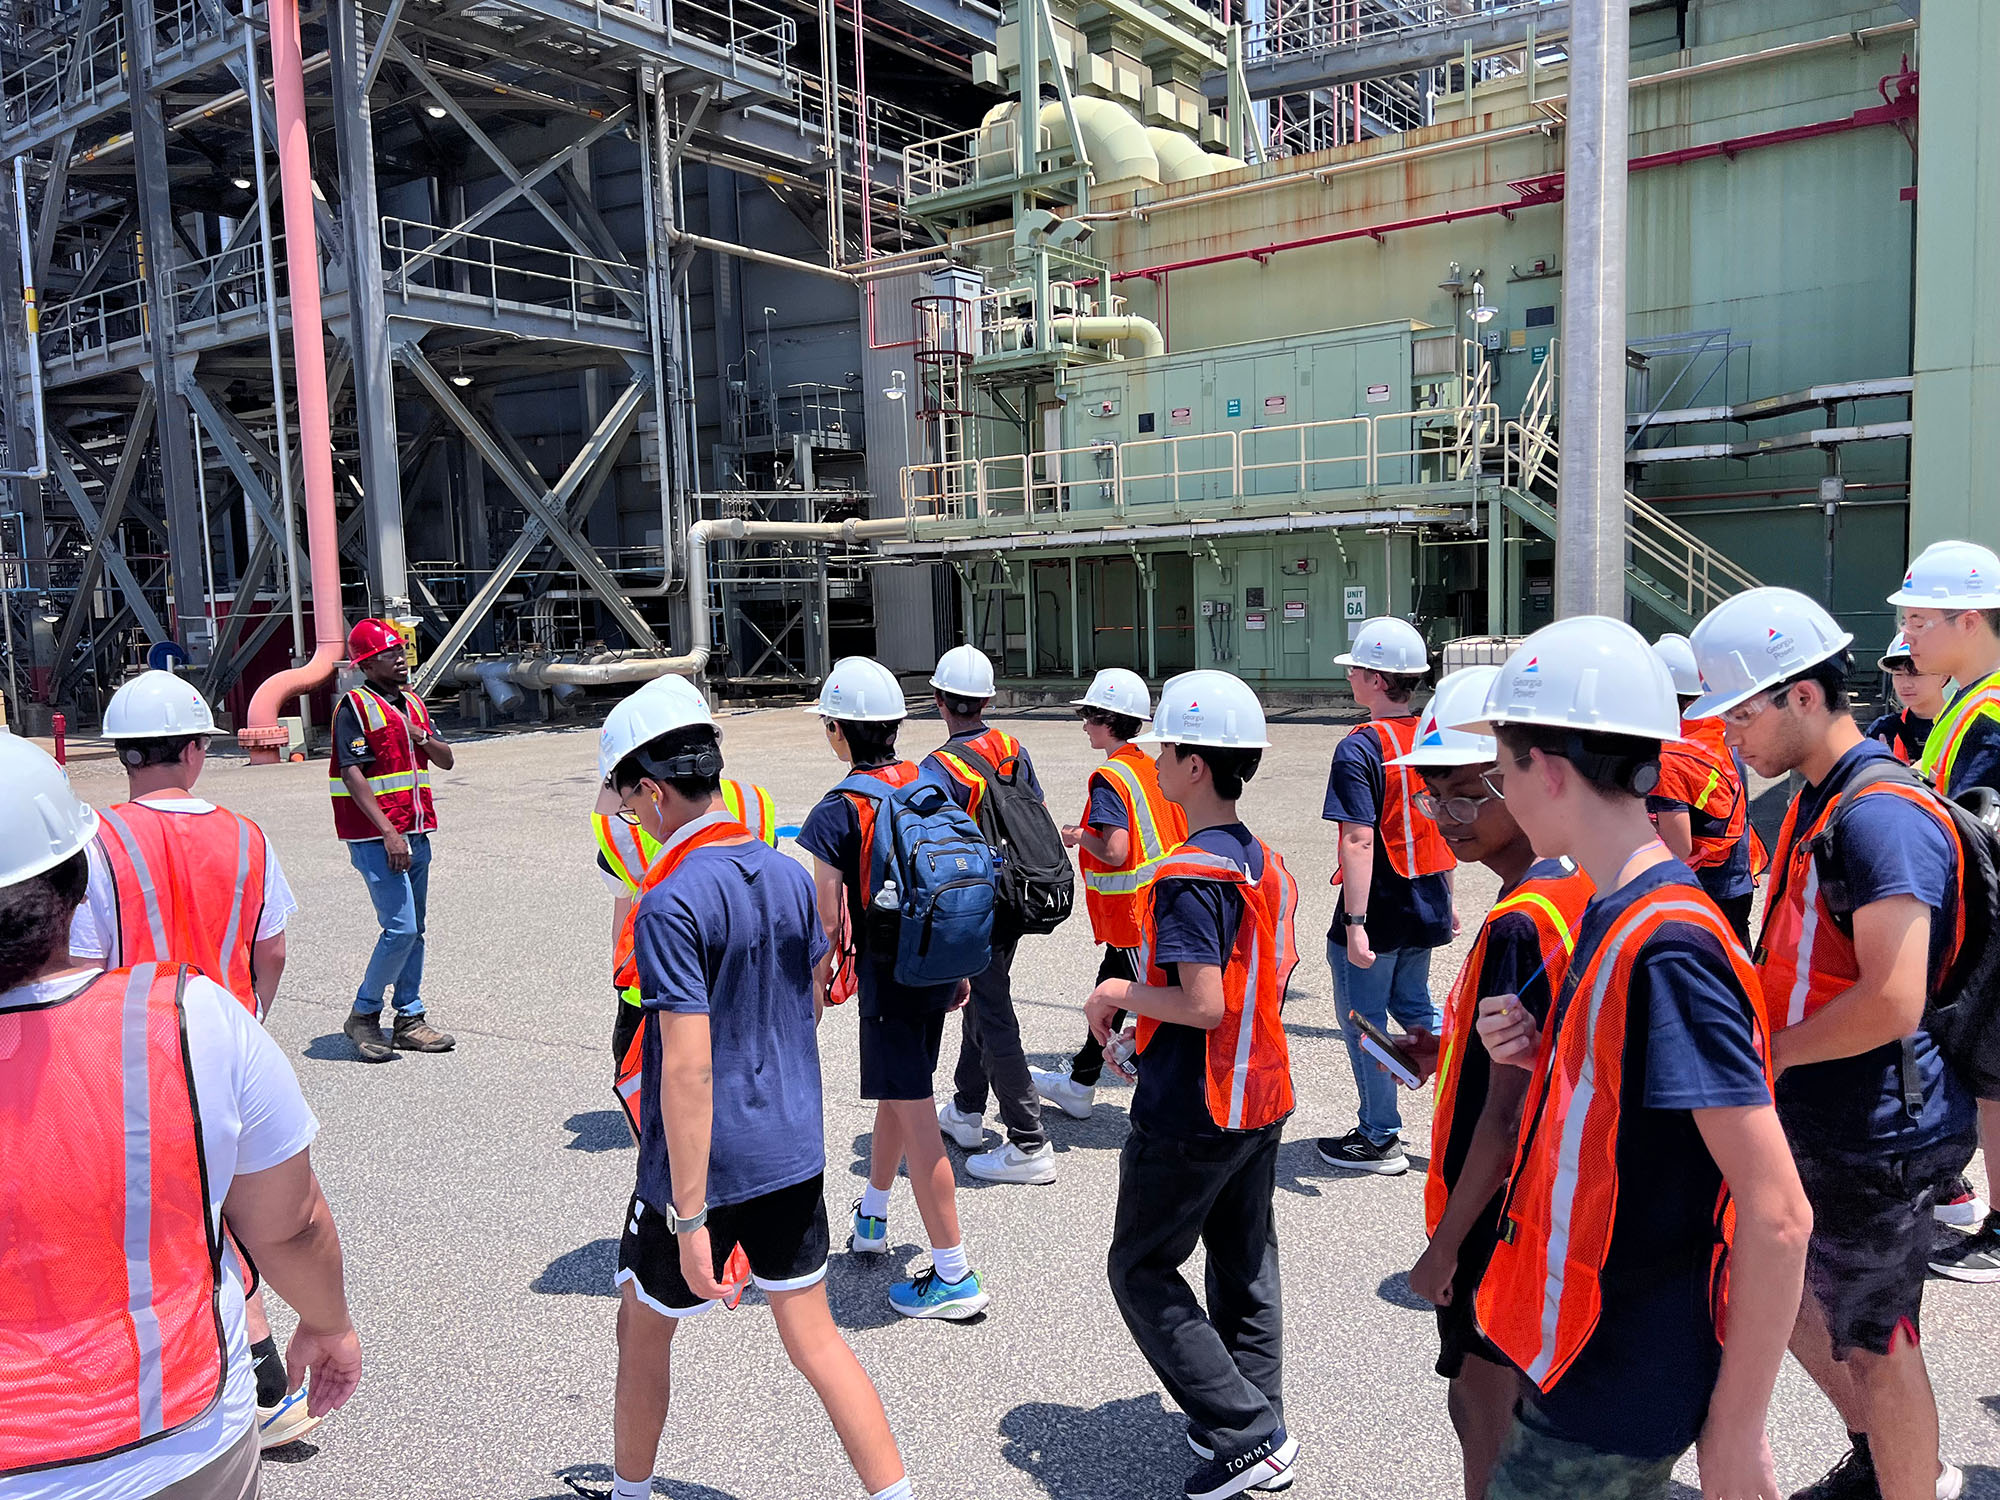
383, 748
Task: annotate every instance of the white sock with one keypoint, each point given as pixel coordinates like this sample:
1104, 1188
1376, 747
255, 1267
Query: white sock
874, 1202
900, 1490
949, 1261
630, 1489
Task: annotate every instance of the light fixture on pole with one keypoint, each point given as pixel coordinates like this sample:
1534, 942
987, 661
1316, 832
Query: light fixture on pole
435, 111
461, 379
1481, 311
241, 183
896, 391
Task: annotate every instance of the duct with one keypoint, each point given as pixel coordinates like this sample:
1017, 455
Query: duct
1182, 158
1114, 141
261, 736
492, 676
1125, 329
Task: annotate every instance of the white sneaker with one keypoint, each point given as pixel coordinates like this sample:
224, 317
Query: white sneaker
1963, 1210
1011, 1164
1064, 1092
286, 1422
969, 1131
1951, 1483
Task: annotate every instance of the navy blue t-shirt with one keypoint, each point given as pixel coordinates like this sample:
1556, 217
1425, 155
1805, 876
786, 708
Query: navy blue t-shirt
732, 935
1401, 913
1904, 729
1194, 922
1978, 760
832, 832
1885, 847
1107, 808
1642, 1383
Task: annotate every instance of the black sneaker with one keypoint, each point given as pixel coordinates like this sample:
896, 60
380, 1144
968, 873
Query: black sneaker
1971, 1257
1268, 1466
1354, 1152
1853, 1478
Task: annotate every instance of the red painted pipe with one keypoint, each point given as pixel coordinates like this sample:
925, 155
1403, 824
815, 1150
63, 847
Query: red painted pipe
1540, 192
261, 736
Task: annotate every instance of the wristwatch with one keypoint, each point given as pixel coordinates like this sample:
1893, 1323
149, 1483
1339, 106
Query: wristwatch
677, 1225
1354, 919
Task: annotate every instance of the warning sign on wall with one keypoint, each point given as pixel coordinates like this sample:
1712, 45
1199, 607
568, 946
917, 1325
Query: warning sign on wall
1256, 619
1274, 406
1295, 611
1183, 416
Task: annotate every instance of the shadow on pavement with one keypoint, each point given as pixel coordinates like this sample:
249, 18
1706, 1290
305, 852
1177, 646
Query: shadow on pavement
1301, 1171
857, 1286
1982, 1482
598, 1130
583, 1272
1117, 1451
594, 1480
291, 1453
335, 1047
1395, 1290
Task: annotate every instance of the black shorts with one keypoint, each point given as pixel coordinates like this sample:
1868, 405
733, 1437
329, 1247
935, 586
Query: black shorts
899, 1055
1459, 1337
1871, 1241
1118, 963
783, 1234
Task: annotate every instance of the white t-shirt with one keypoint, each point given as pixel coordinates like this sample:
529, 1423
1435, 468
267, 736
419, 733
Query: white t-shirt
253, 1118
93, 931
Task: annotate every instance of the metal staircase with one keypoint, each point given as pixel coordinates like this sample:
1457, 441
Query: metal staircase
1669, 569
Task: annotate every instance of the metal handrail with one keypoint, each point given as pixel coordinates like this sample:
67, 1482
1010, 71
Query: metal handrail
1172, 445
43, 82
951, 161
82, 325
1305, 464
1327, 25
500, 271
741, 26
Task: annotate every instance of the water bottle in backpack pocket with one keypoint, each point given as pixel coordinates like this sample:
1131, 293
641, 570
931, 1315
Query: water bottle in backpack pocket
930, 878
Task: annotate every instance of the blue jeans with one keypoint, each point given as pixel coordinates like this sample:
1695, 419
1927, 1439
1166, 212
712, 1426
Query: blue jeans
400, 897
1397, 984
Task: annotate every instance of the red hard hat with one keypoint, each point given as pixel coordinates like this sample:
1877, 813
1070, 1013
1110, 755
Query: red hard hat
372, 638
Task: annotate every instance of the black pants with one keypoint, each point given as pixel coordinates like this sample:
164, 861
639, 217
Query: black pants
990, 1052
1088, 1064
1737, 910
1223, 1367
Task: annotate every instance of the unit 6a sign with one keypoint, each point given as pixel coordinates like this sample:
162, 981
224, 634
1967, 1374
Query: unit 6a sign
1354, 603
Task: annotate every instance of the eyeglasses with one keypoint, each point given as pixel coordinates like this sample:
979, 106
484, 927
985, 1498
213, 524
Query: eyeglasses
1745, 714
628, 817
1495, 781
1093, 716
1452, 809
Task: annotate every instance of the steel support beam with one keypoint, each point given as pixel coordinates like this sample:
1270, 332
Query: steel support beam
367, 310
1590, 510
136, 442
549, 508
185, 539
105, 541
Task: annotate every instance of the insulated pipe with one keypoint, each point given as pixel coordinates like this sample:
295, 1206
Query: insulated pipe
261, 736
31, 326
1125, 329
762, 257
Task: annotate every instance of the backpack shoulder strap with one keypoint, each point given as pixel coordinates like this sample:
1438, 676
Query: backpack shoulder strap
973, 761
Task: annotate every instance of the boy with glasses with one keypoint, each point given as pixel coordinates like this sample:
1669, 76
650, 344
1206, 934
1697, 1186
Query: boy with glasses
1919, 701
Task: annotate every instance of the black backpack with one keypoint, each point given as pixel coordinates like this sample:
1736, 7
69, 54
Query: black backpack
1963, 1015
1034, 883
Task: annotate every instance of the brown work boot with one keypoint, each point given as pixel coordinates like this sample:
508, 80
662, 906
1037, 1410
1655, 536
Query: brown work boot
365, 1031
416, 1034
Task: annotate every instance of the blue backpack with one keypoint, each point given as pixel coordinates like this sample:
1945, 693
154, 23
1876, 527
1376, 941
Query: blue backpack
930, 906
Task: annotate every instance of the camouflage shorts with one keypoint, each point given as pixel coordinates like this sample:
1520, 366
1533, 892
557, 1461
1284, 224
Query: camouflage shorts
1535, 1465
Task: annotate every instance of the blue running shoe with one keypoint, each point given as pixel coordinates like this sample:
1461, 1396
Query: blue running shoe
929, 1296
871, 1236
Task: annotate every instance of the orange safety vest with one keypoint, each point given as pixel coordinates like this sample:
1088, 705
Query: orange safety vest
1115, 895
629, 849
846, 981
995, 746
1249, 1069
190, 889
110, 1319
1804, 957
625, 962
1414, 845
1542, 1294
1555, 906
1704, 766
399, 775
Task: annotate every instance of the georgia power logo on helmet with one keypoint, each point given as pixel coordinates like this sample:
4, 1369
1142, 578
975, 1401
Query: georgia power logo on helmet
1778, 644
1435, 737
1191, 716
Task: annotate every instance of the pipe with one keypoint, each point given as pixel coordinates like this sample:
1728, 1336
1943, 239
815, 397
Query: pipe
1194, 531
762, 257
543, 672
1127, 329
261, 736
31, 324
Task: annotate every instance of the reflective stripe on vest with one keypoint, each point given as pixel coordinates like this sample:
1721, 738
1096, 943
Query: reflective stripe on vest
1704, 751
180, 879
1804, 958
625, 962
995, 746
629, 849
401, 779
1541, 1297
1981, 700
1411, 840
1555, 906
110, 1301
1157, 826
1249, 1066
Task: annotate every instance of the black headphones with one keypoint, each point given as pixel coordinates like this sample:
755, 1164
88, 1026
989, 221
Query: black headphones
704, 763
1638, 777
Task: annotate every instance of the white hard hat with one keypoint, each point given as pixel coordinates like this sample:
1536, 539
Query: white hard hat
1677, 651
862, 690
657, 708
1462, 695
964, 672
1387, 644
1951, 575
1208, 708
1899, 650
1118, 690
1757, 639
1589, 672
41, 822
157, 705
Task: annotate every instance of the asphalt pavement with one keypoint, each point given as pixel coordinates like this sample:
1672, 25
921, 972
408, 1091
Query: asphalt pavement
479, 1195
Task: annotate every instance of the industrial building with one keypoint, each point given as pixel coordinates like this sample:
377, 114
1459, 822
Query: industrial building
725, 337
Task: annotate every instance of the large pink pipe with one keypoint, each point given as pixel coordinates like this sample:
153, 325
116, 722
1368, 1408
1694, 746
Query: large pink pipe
261, 736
